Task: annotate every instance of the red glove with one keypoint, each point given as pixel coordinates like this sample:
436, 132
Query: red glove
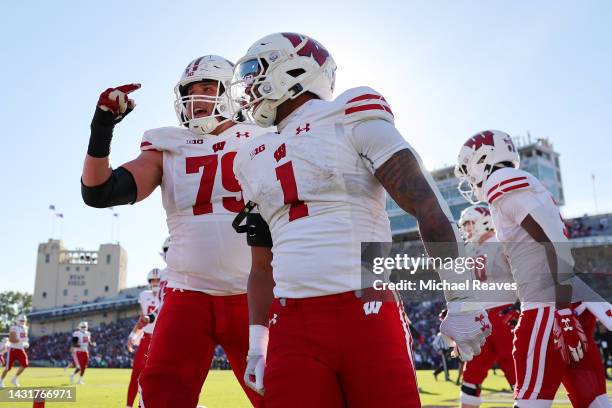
570, 339
116, 100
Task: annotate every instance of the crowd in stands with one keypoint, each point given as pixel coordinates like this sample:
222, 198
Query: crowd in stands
588, 226
110, 349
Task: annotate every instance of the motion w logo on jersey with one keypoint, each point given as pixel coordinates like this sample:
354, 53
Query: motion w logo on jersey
372, 307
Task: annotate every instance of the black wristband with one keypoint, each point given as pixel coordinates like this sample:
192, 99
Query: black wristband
101, 127
151, 317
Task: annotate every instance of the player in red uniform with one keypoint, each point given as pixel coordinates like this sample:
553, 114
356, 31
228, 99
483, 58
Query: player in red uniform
552, 343
18, 344
319, 184
142, 331
205, 301
477, 228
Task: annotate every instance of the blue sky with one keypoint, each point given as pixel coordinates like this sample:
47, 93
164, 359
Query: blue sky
448, 69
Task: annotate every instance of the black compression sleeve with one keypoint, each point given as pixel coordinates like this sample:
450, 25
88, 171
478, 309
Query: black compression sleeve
101, 134
119, 188
258, 232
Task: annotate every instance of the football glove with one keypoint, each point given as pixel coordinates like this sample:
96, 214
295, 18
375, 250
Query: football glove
570, 339
26, 344
256, 358
468, 329
117, 101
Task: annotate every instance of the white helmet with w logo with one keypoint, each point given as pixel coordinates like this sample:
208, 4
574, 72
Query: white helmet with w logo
279, 67
477, 158
207, 68
475, 221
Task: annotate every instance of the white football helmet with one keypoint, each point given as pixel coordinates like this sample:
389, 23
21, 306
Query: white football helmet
83, 326
279, 67
206, 68
480, 218
21, 320
154, 273
477, 158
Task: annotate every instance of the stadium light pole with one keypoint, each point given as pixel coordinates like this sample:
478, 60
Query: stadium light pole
594, 193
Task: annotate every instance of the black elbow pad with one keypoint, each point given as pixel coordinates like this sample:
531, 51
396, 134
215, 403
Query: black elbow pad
118, 189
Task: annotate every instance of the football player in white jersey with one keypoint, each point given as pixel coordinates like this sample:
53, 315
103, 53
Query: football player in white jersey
18, 344
81, 340
553, 343
477, 229
142, 331
208, 263
319, 184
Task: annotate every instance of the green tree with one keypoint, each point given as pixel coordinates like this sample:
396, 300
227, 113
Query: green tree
12, 304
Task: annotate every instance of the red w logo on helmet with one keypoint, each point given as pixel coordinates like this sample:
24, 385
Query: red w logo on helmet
311, 49
484, 138
482, 210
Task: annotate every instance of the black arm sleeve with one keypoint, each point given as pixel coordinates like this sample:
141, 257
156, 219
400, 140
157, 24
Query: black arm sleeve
119, 188
75, 341
258, 232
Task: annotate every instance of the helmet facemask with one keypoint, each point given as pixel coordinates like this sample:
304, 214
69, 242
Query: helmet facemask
222, 109
472, 173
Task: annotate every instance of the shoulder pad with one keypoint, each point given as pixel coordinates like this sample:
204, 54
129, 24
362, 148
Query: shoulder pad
165, 139
364, 103
505, 181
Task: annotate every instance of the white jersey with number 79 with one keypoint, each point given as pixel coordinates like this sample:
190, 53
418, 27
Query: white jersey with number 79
202, 196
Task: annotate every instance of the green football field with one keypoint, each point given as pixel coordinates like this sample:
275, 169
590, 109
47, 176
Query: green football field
106, 388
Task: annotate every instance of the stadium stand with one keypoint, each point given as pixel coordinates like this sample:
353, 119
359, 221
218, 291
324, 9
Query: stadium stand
110, 349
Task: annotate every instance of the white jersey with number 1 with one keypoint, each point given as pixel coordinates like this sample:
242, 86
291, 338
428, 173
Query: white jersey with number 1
314, 184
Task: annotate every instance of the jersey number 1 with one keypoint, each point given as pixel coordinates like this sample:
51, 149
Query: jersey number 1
228, 180
297, 208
